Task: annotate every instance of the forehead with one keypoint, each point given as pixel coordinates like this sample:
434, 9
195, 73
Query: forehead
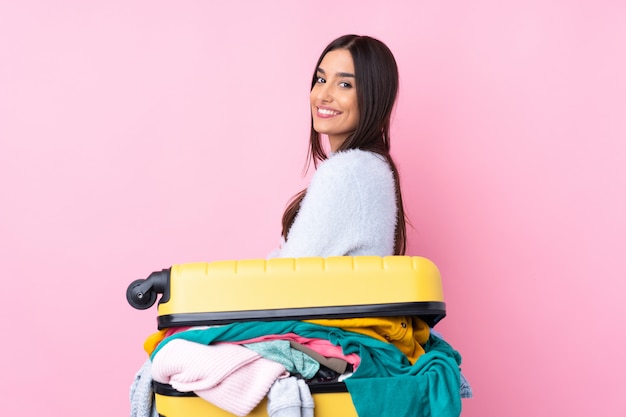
339, 60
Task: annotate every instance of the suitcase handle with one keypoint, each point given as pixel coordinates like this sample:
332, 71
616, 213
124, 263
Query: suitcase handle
142, 293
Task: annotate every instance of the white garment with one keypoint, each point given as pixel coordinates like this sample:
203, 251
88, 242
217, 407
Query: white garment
229, 376
290, 397
349, 209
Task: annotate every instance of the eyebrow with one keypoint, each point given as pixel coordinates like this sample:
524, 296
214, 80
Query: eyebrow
339, 74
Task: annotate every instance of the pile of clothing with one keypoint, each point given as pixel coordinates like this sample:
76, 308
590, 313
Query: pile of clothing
391, 366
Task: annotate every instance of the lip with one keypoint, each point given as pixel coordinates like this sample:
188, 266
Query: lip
326, 112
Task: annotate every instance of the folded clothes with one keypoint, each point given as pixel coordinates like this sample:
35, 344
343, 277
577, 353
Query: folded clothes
407, 333
290, 397
322, 347
294, 361
429, 387
338, 365
229, 376
141, 393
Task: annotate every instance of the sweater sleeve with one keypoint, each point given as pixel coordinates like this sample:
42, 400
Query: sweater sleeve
349, 209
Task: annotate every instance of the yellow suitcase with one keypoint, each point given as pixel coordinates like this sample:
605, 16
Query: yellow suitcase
171, 403
222, 292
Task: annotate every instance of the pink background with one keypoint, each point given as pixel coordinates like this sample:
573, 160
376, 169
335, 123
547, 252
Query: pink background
135, 135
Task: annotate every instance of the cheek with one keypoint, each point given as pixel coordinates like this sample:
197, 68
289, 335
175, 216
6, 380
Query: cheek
355, 116
355, 121
354, 109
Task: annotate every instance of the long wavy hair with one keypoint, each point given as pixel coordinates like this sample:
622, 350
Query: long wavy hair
376, 74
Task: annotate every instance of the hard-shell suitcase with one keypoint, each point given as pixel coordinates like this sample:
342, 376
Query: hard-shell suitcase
223, 292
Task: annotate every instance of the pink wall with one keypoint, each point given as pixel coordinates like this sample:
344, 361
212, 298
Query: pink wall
135, 135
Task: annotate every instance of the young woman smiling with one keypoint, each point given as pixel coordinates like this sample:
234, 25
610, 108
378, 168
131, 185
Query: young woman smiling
353, 204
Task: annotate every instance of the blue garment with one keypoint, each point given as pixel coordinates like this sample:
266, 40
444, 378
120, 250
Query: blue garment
294, 361
466, 388
290, 397
141, 394
428, 388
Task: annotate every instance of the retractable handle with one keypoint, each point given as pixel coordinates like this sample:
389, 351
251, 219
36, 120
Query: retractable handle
142, 293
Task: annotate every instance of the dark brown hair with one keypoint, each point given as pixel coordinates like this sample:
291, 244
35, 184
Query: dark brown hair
376, 74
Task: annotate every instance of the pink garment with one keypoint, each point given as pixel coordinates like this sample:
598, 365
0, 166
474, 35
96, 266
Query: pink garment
321, 346
229, 376
173, 330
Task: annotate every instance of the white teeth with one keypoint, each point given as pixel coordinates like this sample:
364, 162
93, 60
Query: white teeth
327, 112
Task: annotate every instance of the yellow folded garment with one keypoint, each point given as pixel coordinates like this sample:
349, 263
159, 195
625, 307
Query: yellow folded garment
153, 341
408, 333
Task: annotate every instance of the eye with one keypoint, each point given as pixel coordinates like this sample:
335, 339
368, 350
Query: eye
344, 84
320, 80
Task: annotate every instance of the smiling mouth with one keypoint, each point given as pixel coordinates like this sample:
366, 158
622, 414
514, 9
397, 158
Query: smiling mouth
327, 112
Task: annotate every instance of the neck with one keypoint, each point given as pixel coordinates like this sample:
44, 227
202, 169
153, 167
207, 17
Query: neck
336, 142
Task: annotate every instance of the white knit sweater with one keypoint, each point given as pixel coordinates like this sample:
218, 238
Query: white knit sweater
349, 209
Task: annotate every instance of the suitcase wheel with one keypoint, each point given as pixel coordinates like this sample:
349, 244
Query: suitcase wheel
138, 297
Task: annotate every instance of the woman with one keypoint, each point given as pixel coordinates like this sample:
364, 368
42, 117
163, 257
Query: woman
353, 205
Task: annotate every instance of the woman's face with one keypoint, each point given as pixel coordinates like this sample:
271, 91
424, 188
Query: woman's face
333, 98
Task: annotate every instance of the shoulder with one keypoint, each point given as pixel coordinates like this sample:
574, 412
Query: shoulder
355, 164
349, 177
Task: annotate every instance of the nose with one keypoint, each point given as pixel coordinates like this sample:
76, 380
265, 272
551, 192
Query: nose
322, 93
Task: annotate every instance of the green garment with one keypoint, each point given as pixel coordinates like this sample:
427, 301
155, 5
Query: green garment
384, 385
294, 361
430, 388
